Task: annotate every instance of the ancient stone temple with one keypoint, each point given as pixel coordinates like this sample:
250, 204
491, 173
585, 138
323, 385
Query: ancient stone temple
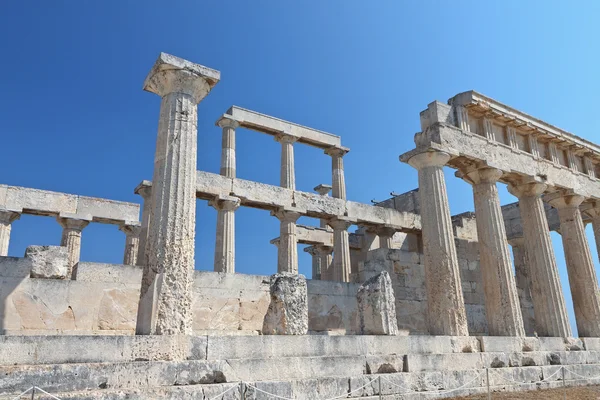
406, 301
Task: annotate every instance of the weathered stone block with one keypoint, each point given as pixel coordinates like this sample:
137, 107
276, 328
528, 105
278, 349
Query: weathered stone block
377, 306
288, 310
48, 262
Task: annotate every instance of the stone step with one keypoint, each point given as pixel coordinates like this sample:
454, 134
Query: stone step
437, 384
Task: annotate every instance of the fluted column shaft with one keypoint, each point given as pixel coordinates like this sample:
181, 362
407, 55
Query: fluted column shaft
6, 220
325, 254
445, 303
323, 190
228, 161
338, 181
166, 297
341, 250
288, 174
132, 241
144, 189
386, 236
523, 282
225, 241
580, 266
316, 261
71, 239
549, 304
501, 299
287, 251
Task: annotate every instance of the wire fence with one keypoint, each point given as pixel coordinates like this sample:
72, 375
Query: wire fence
496, 375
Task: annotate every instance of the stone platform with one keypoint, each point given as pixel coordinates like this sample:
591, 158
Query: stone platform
300, 367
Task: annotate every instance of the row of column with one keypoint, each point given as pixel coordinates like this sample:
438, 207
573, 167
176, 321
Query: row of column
71, 237
446, 309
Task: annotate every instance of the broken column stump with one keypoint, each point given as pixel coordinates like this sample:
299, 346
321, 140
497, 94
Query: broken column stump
288, 310
377, 306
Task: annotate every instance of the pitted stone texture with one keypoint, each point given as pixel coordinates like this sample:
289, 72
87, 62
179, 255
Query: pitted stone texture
48, 262
6, 220
377, 306
288, 310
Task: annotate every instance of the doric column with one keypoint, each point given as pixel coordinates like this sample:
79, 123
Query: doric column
323, 190
548, 302
71, 239
337, 171
341, 249
523, 282
144, 189
288, 174
502, 306
325, 254
580, 266
165, 296
6, 219
132, 241
316, 262
225, 243
594, 213
386, 236
287, 253
445, 303
228, 146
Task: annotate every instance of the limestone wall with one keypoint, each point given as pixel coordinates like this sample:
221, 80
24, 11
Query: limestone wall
104, 300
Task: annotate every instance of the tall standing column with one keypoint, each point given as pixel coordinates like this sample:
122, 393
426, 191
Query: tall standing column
580, 267
225, 243
228, 164
523, 282
341, 249
594, 213
386, 236
144, 189
337, 171
316, 262
165, 296
132, 242
548, 302
287, 253
288, 174
445, 303
6, 219
325, 254
502, 306
71, 239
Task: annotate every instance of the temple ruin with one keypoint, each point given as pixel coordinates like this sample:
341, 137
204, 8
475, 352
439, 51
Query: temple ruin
414, 303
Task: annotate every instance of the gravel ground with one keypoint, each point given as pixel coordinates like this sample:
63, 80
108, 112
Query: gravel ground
576, 393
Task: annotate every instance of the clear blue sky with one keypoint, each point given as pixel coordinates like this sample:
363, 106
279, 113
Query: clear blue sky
73, 116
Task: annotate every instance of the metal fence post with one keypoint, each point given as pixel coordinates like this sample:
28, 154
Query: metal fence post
487, 376
242, 394
564, 382
380, 396
33, 393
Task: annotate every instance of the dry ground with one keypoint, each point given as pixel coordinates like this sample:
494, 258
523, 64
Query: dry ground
575, 393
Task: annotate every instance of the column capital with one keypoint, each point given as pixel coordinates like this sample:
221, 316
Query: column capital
227, 122
527, 189
429, 158
172, 74
337, 151
74, 222
131, 228
312, 250
9, 216
517, 241
225, 203
144, 189
283, 137
592, 209
341, 223
287, 215
322, 189
560, 200
482, 174
382, 230
323, 250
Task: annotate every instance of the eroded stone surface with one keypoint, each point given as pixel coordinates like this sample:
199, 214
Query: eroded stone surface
48, 262
377, 306
288, 310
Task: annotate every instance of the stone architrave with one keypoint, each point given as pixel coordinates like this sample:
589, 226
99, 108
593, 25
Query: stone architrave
132, 241
337, 171
225, 240
288, 311
7, 217
341, 249
580, 266
287, 253
144, 189
523, 282
71, 239
288, 174
48, 262
502, 306
445, 304
377, 306
165, 296
546, 292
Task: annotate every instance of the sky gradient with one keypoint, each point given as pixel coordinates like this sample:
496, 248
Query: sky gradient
74, 117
